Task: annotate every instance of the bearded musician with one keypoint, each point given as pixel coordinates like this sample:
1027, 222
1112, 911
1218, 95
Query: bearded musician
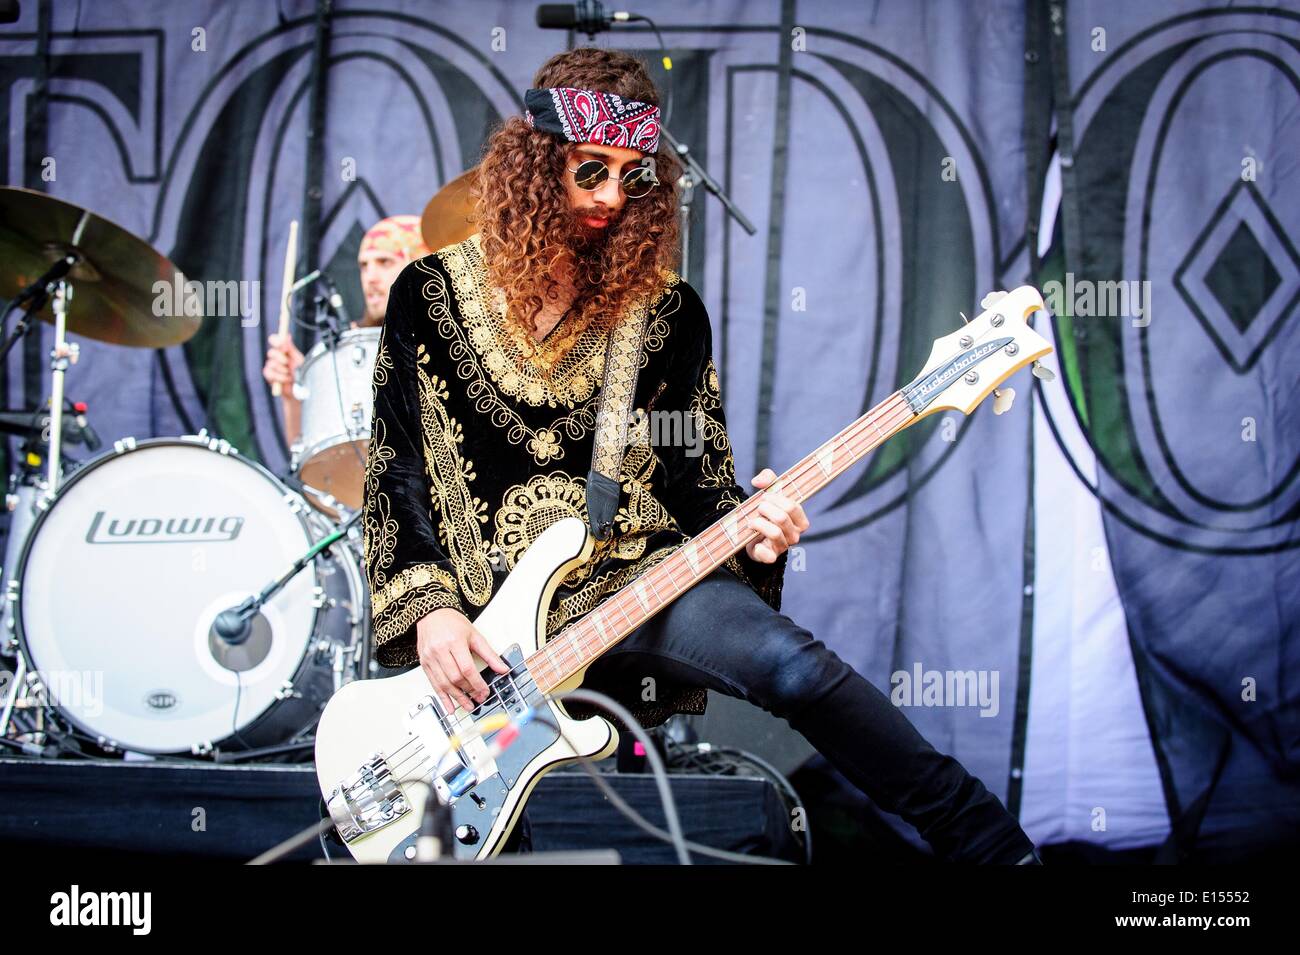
486, 389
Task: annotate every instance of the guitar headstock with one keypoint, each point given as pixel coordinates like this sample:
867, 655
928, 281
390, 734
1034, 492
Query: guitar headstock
974, 360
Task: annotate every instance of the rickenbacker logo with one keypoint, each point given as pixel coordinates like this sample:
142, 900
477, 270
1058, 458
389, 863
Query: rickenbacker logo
162, 530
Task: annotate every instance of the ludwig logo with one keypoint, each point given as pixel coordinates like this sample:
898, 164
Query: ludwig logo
162, 530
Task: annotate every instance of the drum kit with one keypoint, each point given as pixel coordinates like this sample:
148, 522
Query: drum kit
171, 597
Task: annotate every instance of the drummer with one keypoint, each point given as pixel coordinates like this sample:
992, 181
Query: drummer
385, 250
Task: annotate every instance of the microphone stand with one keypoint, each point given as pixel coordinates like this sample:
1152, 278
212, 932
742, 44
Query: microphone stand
33, 298
694, 175
234, 624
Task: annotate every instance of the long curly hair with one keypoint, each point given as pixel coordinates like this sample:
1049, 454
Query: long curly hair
527, 227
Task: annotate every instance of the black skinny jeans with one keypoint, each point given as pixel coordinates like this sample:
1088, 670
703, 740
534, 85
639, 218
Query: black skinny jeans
721, 635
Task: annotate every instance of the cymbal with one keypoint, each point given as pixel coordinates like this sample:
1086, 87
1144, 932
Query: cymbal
113, 295
446, 218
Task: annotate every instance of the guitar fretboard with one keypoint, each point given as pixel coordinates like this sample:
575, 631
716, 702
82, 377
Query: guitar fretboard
573, 648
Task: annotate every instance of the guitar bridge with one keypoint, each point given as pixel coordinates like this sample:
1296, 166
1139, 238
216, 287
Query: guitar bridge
367, 802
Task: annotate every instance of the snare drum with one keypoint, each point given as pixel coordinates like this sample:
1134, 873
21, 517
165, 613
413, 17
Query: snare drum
126, 570
336, 386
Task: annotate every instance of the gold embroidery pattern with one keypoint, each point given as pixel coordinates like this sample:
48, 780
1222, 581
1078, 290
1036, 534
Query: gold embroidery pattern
528, 509
543, 444
460, 511
409, 597
707, 398
616, 394
504, 351
420, 575
398, 603
377, 532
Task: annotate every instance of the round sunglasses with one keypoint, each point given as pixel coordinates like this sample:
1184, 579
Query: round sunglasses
637, 181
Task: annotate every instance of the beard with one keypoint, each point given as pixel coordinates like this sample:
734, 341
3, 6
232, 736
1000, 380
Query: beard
589, 246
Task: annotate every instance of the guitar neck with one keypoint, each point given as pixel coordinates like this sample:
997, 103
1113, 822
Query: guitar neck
573, 649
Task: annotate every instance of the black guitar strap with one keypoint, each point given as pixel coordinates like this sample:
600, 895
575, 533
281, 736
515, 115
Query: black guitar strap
622, 366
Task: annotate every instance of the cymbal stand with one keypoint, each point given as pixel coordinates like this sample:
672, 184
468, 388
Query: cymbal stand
62, 355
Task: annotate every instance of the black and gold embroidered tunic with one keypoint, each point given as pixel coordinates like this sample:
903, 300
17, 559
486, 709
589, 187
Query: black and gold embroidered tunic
475, 450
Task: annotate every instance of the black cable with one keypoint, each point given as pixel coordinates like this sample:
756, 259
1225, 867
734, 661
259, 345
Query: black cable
661, 776
679, 841
668, 109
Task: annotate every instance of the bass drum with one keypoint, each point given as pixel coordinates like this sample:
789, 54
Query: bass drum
126, 570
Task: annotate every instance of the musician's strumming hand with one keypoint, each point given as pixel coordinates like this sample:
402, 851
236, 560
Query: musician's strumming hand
779, 520
444, 641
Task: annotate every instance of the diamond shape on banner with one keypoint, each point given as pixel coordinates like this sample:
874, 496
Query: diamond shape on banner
1240, 310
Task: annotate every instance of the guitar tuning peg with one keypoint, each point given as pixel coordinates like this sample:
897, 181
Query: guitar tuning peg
1002, 400
988, 301
1042, 372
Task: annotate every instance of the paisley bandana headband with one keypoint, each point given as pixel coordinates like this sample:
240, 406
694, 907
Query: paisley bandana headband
590, 116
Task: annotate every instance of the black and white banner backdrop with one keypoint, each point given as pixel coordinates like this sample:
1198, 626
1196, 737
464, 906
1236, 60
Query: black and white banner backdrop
882, 153
1177, 413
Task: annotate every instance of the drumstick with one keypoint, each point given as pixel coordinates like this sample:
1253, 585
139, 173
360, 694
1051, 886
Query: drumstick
290, 261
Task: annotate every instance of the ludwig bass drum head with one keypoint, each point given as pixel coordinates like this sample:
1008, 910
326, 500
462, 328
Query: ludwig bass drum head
124, 575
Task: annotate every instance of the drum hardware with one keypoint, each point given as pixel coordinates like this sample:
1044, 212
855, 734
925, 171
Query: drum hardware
60, 357
15, 687
342, 659
329, 458
34, 426
33, 298
219, 445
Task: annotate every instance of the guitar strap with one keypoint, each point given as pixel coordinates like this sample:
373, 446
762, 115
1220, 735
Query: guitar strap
622, 366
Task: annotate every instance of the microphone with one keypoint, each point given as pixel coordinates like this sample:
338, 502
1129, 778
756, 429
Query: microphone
38, 290
240, 637
234, 624
306, 280
332, 294
87, 433
585, 16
